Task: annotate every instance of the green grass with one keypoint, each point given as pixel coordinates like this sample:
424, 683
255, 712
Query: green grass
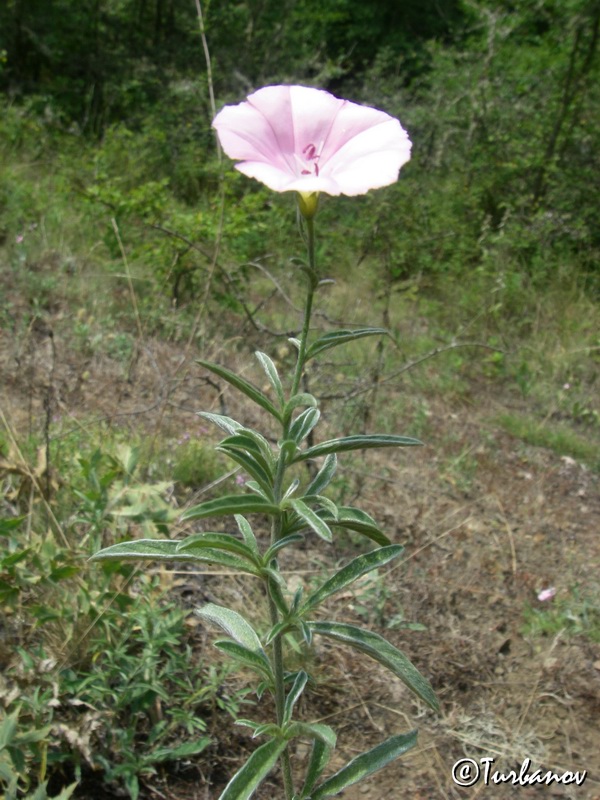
574, 614
558, 437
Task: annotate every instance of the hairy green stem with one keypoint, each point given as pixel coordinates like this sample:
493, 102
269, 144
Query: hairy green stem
288, 783
276, 530
310, 231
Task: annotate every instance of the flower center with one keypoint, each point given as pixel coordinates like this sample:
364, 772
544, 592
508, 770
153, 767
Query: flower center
311, 159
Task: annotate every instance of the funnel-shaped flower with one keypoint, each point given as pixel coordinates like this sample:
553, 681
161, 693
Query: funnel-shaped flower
293, 138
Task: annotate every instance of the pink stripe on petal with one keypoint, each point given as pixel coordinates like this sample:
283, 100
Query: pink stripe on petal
294, 138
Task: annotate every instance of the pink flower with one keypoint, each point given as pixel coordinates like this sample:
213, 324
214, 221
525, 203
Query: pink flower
546, 594
19, 238
293, 138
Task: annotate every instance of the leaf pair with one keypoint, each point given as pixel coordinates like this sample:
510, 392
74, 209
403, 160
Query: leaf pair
245, 782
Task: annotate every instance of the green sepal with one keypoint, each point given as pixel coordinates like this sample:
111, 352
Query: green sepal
270, 371
364, 765
304, 424
312, 519
233, 624
324, 476
312, 730
319, 759
243, 386
293, 696
351, 572
378, 648
358, 442
245, 782
255, 660
231, 504
335, 338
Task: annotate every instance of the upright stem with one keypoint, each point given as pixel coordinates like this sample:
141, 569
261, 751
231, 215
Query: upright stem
313, 281
276, 530
288, 783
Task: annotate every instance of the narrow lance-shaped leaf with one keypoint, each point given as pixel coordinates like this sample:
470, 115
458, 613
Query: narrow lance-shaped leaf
312, 730
324, 476
335, 338
231, 504
251, 465
243, 386
220, 541
226, 424
378, 648
293, 695
233, 624
246, 530
162, 550
302, 399
304, 424
166, 550
256, 661
319, 758
270, 371
358, 442
245, 782
213, 555
365, 765
355, 519
348, 574
325, 503
312, 519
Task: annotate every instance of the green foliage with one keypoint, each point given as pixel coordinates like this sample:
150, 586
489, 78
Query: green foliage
576, 613
195, 464
17, 749
556, 437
